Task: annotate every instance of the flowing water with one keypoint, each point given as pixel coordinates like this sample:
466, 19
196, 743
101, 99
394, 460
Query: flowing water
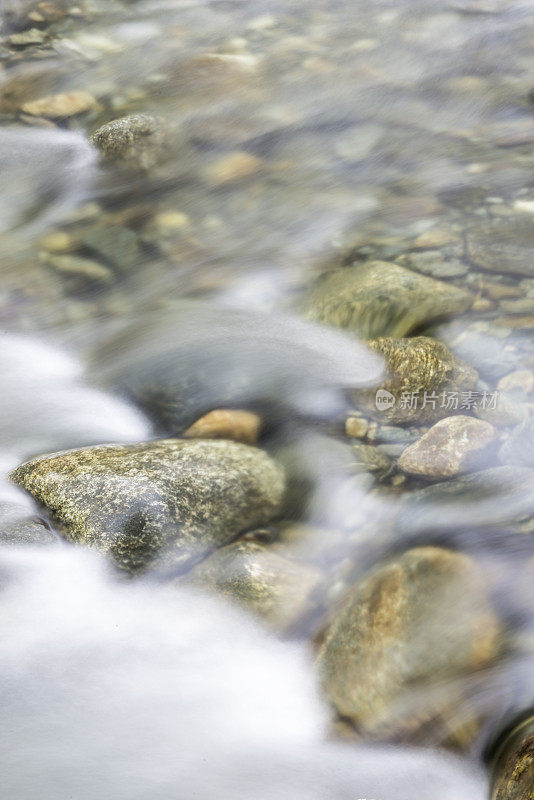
291, 138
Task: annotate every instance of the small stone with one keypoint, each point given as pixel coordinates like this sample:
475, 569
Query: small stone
136, 141
521, 381
81, 267
414, 367
498, 291
503, 246
234, 424
26, 38
278, 589
379, 298
434, 264
164, 503
516, 323
170, 221
58, 106
371, 459
436, 237
451, 446
522, 305
396, 651
57, 242
232, 167
356, 427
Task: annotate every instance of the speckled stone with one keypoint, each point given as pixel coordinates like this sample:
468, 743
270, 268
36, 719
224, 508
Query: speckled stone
383, 299
278, 589
513, 772
451, 446
396, 649
163, 503
415, 366
136, 141
503, 246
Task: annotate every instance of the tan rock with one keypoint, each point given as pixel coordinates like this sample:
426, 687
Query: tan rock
232, 167
436, 237
57, 106
235, 424
451, 446
522, 380
356, 427
396, 652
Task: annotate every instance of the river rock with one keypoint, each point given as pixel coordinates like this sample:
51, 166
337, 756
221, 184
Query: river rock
278, 589
513, 770
136, 141
452, 445
226, 423
163, 503
503, 245
426, 382
397, 649
379, 298
59, 106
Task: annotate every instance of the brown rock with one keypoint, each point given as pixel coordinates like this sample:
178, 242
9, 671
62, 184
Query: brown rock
57, 106
513, 771
235, 424
451, 446
396, 652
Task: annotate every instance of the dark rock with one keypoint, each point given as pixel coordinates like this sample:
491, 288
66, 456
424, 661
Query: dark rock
115, 245
163, 503
504, 245
136, 141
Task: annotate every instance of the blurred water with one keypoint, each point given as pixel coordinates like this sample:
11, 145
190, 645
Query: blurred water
362, 126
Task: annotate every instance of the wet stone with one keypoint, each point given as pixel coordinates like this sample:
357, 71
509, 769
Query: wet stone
513, 770
60, 106
503, 246
371, 459
278, 589
235, 424
433, 263
164, 503
415, 366
136, 141
379, 298
451, 446
398, 647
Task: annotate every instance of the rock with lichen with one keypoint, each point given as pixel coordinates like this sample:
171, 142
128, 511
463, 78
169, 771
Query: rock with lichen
513, 769
162, 504
401, 643
379, 298
138, 141
425, 380
278, 589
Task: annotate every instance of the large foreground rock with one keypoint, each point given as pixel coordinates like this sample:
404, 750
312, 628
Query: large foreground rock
382, 299
164, 503
395, 653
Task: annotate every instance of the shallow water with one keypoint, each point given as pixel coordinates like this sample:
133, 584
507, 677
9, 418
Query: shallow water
298, 136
